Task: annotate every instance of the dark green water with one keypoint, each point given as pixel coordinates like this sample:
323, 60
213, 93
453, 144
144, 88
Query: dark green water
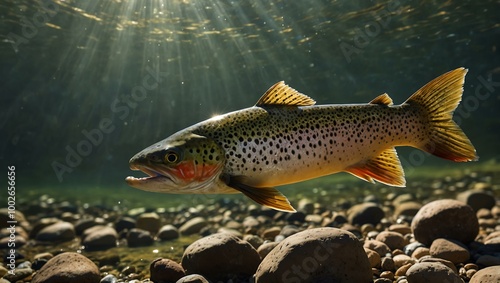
87, 84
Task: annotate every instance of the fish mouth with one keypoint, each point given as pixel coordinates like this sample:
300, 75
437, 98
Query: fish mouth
155, 177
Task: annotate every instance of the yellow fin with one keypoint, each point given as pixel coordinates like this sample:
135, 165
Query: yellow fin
385, 168
282, 94
269, 197
382, 99
438, 99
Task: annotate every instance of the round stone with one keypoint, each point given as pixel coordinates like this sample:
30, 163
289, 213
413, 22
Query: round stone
393, 240
68, 267
193, 226
102, 238
316, 255
477, 199
192, 278
57, 232
426, 272
139, 238
221, 256
168, 232
447, 218
487, 275
165, 270
365, 213
149, 222
451, 250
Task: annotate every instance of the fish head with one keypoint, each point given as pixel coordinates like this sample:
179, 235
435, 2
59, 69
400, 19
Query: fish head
183, 163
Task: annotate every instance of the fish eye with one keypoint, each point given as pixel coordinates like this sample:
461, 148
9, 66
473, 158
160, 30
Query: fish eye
172, 156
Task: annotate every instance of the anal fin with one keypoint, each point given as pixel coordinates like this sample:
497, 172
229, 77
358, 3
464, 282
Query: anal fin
269, 197
385, 168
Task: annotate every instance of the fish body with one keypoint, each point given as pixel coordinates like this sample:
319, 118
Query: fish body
285, 139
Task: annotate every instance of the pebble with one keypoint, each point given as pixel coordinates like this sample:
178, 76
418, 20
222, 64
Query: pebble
124, 223
265, 248
447, 218
110, 278
431, 272
316, 255
19, 274
487, 275
168, 232
149, 222
57, 232
402, 259
254, 240
193, 226
365, 213
193, 278
373, 257
451, 250
477, 199
439, 260
407, 209
381, 248
165, 270
393, 240
100, 238
270, 233
137, 238
220, 256
68, 267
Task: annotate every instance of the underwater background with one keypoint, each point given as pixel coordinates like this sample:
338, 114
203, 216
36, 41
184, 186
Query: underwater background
87, 84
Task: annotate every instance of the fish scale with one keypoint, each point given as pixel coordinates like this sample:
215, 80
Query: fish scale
285, 138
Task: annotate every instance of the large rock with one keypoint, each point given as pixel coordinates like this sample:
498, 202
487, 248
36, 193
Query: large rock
447, 218
68, 267
426, 272
316, 255
221, 256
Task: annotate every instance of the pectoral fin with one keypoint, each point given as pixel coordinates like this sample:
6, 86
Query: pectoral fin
269, 197
385, 168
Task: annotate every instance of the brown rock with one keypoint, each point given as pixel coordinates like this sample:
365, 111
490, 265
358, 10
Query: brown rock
451, 250
168, 232
393, 240
139, 238
265, 248
68, 267
316, 255
408, 209
165, 271
149, 222
220, 256
439, 260
402, 229
57, 232
477, 199
487, 275
365, 213
420, 252
381, 248
270, 233
102, 238
193, 226
431, 272
373, 257
193, 278
402, 259
445, 218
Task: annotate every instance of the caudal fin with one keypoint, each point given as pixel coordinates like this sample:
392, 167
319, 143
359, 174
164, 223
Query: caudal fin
438, 99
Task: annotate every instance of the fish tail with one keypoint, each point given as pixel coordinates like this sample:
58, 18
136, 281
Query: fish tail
437, 100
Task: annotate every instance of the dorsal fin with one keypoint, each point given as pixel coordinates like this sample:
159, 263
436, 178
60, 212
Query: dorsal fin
382, 99
282, 94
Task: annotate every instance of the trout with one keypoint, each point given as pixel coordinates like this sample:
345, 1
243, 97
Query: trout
285, 138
